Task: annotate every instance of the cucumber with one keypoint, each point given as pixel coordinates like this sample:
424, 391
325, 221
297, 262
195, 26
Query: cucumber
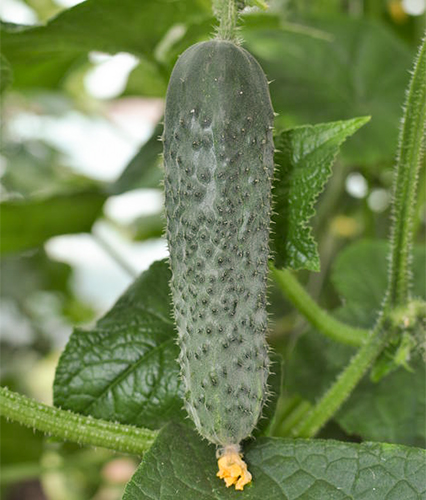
218, 160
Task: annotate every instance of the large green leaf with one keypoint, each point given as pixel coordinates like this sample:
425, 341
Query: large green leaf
28, 223
304, 159
125, 368
41, 55
360, 69
393, 409
181, 466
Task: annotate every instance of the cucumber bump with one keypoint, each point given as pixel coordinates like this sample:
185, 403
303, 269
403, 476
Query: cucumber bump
218, 159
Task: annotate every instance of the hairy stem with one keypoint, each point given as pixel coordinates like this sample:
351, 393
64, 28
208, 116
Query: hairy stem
410, 153
343, 386
226, 12
320, 319
72, 427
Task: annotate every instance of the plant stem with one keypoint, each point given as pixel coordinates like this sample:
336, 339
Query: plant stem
344, 385
410, 149
320, 319
226, 12
72, 427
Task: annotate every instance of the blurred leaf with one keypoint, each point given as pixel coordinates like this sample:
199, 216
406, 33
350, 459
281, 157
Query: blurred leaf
143, 170
28, 223
305, 156
22, 275
180, 465
360, 276
34, 168
125, 369
362, 71
31, 443
149, 226
6, 75
41, 55
394, 409
146, 80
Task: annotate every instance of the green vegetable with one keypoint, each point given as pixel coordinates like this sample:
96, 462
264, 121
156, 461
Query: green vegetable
218, 156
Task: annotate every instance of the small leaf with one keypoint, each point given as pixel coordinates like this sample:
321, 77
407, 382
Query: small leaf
125, 368
182, 466
28, 223
305, 156
143, 170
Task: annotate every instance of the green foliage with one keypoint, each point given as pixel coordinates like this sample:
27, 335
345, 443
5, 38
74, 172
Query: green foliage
394, 409
180, 465
304, 158
42, 55
28, 223
325, 70
125, 368
357, 68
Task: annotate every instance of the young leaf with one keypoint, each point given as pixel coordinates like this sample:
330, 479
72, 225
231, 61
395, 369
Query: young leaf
305, 156
28, 223
394, 409
181, 465
125, 369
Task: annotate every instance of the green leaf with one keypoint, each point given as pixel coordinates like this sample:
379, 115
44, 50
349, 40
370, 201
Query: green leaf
28, 223
125, 368
360, 68
104, 25
305, 156
182, 466
360, 277
394, 409
143, 170
6, 75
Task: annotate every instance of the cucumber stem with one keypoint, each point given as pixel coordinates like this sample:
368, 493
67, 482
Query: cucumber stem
72, 427
226, 12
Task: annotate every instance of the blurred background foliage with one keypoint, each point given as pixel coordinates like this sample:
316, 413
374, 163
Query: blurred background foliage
82, 94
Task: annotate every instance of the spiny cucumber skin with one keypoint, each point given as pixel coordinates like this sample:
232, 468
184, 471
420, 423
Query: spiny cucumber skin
218, 158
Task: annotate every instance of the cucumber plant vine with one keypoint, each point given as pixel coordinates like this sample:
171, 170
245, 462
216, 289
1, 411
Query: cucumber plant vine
401, 313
